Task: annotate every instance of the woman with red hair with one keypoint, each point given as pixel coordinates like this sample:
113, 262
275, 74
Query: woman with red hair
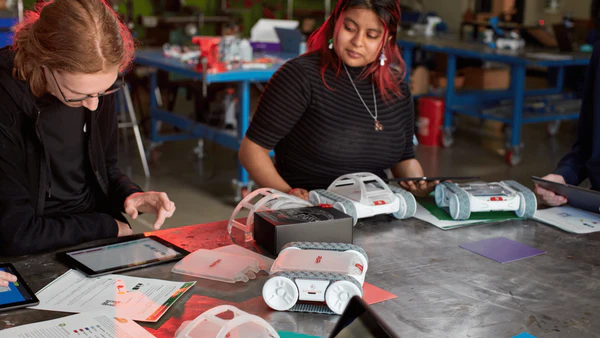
341, 108
60, 184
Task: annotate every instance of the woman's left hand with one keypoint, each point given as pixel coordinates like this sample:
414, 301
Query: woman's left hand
298, 192
421, 188
150, 202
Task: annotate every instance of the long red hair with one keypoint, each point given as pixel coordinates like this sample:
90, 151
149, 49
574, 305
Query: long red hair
387, 77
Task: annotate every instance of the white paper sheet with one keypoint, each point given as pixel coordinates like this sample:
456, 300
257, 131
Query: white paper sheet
569, 219
424, 215
140, 299
89, 325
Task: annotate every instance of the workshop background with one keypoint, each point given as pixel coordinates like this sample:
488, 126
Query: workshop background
202, 175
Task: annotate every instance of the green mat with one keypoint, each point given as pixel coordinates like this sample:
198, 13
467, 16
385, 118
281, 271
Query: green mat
285, 334
493, 216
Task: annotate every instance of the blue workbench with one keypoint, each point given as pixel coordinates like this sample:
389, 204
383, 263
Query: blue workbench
481, 103
192, 129
6, 35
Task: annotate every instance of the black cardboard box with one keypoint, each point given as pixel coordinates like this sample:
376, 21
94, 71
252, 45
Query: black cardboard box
274, 229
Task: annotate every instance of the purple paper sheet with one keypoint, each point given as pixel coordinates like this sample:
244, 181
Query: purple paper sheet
502, 249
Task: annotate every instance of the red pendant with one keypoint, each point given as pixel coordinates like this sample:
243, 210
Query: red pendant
378, 126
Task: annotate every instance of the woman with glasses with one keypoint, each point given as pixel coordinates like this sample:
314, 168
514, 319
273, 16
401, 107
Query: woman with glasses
60, 184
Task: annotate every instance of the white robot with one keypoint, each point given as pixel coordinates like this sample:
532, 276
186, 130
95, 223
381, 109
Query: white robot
362, 195
261, 200
460, 200
497, 38
514, 42
316, 272
432, 22
210, 325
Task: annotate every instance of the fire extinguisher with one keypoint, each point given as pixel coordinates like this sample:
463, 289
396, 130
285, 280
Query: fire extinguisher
430, 121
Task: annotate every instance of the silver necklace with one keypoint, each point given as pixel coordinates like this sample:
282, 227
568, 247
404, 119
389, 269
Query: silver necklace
378, 126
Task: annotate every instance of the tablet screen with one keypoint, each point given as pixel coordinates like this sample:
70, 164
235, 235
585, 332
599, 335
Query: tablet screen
126, 254
14, 293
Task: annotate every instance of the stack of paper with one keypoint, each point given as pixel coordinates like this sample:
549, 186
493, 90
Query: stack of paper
569, 219
90, 325
108, 306
139, 299
426, 216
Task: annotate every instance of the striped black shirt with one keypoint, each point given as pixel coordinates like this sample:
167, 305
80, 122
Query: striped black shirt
320, 134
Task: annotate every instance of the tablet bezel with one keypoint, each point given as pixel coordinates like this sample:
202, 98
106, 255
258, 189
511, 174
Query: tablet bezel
72, 262
572, 193
356, 308
26, 303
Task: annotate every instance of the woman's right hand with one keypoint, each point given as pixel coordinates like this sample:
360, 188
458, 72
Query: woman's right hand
549, 197
419, 189
5, 278
299, 192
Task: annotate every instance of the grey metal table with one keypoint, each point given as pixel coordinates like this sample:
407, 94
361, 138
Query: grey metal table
443, 290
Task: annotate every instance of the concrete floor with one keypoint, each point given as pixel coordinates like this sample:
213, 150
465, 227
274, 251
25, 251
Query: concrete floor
202, 190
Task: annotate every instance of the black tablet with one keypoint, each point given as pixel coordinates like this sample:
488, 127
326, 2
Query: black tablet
122, 256
580, 198
17, 294
358, 320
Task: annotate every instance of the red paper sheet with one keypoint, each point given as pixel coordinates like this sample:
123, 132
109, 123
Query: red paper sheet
373, 294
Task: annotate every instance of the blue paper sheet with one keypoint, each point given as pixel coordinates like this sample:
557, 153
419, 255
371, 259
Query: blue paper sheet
524, 335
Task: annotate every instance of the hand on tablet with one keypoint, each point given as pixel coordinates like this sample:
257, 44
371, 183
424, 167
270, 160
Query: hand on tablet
150, 202
124, 229
420, 188
547, 196
5, 278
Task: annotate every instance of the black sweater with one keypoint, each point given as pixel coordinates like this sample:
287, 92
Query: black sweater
584, 159
319, 134
25, 174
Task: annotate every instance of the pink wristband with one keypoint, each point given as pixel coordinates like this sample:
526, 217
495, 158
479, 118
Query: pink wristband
292, 191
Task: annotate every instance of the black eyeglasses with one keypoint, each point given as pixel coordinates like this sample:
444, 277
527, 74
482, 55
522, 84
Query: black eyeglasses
113, 89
